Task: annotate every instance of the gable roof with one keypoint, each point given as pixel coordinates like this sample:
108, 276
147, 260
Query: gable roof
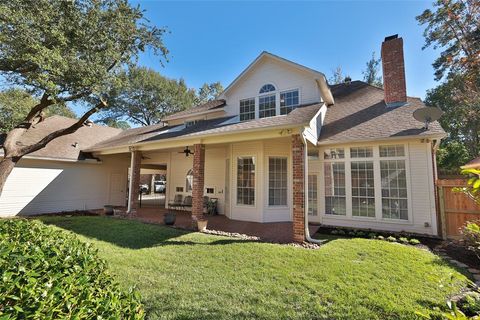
200, 109
360, 114
320, 77
225, 125
63, 148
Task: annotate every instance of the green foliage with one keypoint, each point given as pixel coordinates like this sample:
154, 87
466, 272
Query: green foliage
209, 92
371, 74
391, 239
120, 124
403, 240
414, 242
473, 188
471, 236
452, 154
49, 274
144, 97
71, 47
16, 103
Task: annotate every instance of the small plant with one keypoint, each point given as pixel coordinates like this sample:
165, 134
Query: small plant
351, 233
380, 237
403, 240
360, 234
392, 239
341, 232
334, 231
471, 237
414, 242
372, 235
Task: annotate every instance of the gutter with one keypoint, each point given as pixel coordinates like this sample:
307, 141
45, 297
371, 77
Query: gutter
305, 191
89, 161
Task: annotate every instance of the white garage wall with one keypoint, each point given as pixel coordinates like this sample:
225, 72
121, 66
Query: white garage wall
40, 186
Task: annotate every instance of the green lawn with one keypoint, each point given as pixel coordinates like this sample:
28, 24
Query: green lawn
185, 275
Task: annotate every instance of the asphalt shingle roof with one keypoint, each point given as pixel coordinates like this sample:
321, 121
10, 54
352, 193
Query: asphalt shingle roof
210, 105
360, 113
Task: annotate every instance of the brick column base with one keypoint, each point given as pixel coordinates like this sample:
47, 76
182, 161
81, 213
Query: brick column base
298, 161
134, 182
198, 183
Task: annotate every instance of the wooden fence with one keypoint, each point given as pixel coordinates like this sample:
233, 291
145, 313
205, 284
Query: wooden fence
456, 208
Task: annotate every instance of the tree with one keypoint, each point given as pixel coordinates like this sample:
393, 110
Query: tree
453, 26
67, 51
209, 92
337, 76
16, 103
120, 124
371, 74
144, 97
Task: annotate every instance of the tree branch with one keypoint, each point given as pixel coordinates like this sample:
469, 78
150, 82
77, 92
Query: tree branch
44, 103
62, 132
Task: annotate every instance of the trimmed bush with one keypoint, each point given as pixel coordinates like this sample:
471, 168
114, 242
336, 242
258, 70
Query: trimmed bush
471, 237
50, 274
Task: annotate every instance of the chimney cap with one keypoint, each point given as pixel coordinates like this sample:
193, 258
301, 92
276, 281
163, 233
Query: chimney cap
392, 37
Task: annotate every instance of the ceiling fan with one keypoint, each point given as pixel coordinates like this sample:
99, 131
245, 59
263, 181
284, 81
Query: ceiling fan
187, 151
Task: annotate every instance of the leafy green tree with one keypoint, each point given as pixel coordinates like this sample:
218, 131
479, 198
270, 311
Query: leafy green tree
16, 103
453, 27
120, 124
66, 51
144, 97
209, 92
371, 74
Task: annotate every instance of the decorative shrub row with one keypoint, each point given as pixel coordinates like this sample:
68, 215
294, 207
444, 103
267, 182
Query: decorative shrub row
374, 235
50, 274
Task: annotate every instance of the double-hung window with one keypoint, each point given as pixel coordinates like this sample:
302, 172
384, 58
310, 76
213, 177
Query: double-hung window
246, 181
266, 106
394, 182
288, 101
247, 109
277, 181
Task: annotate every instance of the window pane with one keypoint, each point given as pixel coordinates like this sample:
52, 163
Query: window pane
394, 189
267, 88
277, 181
363, 188
361, 152
335, 196
246, 180
334, 153
266, 106
312, 195
288, 101
392, 151
247, 109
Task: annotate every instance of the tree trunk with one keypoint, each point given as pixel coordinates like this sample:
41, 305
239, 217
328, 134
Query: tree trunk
6, 167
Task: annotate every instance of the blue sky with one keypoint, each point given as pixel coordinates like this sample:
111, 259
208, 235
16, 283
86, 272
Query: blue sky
215, 41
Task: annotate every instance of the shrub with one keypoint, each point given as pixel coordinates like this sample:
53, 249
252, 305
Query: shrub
471, 237
372, 235
414, 241
381, 238
392, 239
403, 240
50, 274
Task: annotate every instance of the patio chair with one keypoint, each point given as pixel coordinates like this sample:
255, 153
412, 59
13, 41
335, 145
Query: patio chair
187, 202
177, 202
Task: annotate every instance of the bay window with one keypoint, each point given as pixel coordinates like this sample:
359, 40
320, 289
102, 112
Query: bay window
366, 182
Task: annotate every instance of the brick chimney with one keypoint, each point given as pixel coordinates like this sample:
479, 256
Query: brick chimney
393, 71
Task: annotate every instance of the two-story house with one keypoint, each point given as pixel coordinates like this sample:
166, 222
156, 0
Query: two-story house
281, 144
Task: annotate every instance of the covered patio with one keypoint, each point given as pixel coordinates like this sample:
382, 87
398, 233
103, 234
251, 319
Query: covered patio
279, 232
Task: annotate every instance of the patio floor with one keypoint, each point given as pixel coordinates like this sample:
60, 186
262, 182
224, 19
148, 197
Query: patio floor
280, 232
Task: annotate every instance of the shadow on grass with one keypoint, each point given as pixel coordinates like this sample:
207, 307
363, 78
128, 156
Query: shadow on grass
129, 234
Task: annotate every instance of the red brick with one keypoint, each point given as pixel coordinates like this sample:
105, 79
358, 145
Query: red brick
394, 71
198, 182
298, 162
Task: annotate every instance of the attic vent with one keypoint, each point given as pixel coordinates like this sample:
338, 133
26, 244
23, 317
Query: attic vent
88, 123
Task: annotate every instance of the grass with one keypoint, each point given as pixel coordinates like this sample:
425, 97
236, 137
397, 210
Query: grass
185, 275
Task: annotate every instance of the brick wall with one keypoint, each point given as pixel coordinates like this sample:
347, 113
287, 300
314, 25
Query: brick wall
298, 188
393, 70
198, 182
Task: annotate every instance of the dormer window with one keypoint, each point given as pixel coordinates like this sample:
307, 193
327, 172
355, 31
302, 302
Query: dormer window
267, 88
191, 123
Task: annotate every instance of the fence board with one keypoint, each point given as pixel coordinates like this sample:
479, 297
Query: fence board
456, 208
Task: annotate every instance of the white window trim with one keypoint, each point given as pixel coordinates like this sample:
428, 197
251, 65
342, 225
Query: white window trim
378, 183
267, 183
255, 199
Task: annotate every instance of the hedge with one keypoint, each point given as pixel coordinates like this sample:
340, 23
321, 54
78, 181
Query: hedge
50, 274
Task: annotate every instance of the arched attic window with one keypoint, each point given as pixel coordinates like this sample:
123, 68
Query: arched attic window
189, 181
267, 88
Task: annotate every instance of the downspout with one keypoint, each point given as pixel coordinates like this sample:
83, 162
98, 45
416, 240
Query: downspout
130, 182
305, 191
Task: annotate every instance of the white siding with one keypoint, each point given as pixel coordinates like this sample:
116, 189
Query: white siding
39, 186
422, 214
282, 76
